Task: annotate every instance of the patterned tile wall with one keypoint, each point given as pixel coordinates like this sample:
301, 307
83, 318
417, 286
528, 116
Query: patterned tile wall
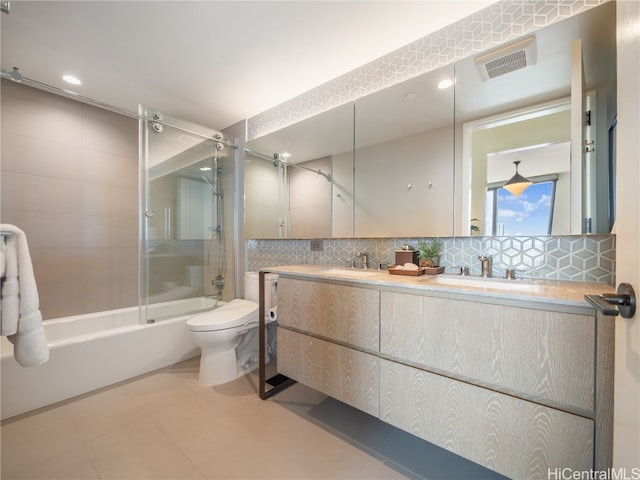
496, 24
585, 258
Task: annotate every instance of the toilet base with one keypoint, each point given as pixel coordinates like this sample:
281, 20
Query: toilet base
221, 367
248, 362
217, 368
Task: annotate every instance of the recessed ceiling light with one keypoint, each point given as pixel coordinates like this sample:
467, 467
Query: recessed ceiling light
71, 79
205, 169
410, 95
445, 84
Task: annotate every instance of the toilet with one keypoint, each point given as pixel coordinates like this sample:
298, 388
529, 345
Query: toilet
228, 336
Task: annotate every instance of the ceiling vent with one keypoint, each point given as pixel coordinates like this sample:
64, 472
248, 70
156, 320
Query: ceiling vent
507, 59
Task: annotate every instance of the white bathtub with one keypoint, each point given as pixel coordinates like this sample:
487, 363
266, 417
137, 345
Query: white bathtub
95, 350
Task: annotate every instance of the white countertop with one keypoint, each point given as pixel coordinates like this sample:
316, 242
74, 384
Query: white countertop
531, 291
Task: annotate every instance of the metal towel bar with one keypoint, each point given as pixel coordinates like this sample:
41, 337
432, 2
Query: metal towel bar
623, 302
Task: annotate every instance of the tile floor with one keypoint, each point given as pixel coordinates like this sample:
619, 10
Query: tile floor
166, 426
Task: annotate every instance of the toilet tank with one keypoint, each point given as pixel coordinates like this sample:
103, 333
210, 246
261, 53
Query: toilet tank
251, 281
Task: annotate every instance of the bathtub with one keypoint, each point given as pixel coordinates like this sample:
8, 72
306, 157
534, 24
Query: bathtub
94, 350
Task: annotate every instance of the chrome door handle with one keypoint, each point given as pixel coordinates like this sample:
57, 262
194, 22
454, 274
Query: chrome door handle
622, 302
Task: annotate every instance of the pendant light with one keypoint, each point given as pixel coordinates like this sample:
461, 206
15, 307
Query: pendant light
518, 183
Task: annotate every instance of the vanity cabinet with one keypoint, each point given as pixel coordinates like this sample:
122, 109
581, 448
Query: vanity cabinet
515, 437
507, 387
342, 313
348, 375
543, 355
522, 388
328, 339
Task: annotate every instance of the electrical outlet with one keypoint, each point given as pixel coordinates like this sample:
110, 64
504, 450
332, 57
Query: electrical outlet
317, 246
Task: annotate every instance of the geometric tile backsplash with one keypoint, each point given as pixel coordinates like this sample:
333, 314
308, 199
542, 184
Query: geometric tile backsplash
585, 258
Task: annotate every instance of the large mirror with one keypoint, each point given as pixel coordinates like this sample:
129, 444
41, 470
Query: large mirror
404, 158
299, 180
419, 164
546, 101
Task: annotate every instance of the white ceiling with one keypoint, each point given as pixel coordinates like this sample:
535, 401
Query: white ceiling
210, 62
537, 160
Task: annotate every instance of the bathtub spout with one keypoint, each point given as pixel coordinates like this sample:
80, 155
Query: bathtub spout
215, 296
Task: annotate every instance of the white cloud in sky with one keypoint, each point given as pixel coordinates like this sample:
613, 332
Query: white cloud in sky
521, 207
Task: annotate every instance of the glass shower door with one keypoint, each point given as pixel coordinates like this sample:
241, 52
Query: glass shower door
188, 179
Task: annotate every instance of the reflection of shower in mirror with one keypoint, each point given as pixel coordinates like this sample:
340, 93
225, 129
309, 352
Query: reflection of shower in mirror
277, 162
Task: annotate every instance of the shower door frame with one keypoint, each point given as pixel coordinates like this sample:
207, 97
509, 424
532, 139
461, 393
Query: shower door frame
147, 119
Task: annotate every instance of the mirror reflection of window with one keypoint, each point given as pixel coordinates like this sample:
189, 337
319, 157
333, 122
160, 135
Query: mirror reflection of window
533, 106
543, 208
529, 214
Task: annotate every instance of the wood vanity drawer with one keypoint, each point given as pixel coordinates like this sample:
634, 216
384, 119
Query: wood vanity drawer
515, 437
549, 356
348, 375
339, 312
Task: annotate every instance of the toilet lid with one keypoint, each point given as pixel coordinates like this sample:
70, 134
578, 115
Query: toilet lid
234, 314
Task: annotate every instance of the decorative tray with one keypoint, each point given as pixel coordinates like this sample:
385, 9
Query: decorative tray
393, 270
414, 273
433, 270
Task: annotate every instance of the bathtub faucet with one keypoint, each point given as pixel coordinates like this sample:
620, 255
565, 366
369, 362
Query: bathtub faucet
215, 296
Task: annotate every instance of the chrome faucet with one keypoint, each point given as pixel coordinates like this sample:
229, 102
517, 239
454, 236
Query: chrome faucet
486, 265
365, 259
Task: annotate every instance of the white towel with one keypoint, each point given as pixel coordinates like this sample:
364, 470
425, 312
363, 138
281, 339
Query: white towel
3, 257
10, 302
20, 317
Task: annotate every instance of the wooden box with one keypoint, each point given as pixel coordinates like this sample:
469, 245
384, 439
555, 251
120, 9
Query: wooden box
406, 256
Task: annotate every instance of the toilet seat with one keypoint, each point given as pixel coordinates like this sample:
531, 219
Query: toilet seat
236, 313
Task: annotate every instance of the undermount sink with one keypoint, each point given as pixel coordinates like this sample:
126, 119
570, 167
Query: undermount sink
480, 282
350, 272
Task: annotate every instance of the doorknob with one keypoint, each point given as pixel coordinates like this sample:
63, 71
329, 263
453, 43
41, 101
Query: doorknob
622, 302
